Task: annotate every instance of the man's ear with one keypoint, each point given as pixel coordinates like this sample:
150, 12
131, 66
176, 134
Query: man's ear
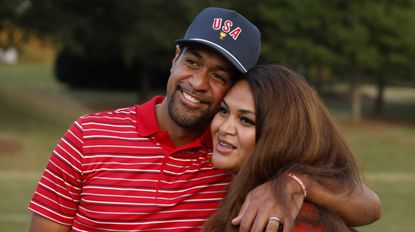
176, 56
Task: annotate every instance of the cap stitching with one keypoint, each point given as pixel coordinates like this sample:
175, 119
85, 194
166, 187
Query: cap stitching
223, 49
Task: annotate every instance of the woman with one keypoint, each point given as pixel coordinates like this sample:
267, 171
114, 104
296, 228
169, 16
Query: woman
273, 123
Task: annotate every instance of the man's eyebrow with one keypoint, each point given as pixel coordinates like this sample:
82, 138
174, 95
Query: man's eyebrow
225, 69
194, 52
221, 67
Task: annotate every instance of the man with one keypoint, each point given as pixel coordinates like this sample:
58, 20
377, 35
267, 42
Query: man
147, 167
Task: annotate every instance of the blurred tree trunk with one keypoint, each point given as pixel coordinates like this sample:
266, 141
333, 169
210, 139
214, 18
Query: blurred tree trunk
319, 79
378, 109
144, 85
356, 114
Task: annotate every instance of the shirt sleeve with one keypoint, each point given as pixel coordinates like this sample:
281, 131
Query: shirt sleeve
58, 192
309, 219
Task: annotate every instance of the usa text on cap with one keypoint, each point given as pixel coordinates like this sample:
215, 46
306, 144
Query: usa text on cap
229, 33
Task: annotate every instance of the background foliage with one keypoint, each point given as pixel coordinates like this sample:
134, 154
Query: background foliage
129, 44
358, 54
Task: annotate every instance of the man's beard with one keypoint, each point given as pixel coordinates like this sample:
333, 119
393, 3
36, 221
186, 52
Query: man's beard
184, 116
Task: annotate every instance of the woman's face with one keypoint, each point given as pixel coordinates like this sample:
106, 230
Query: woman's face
233, 128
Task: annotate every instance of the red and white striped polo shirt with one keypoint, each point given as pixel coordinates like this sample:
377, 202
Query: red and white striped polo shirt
116, 171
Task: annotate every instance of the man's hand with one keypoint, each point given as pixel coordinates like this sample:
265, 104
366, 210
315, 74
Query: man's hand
281, 198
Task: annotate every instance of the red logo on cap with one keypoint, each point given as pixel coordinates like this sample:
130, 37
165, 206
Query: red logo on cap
226, 28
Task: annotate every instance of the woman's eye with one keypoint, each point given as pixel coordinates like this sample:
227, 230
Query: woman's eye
247, 121
222, 110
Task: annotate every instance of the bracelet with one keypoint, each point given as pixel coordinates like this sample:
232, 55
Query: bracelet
298, 181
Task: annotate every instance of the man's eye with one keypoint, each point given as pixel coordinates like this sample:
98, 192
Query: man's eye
191, 62
220, 78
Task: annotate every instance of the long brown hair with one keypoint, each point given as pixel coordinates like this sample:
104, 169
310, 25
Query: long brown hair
294, 132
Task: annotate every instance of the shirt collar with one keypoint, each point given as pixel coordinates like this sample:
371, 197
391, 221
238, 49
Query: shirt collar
147, 123
146, 117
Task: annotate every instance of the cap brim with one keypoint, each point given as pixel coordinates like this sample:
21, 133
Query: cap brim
217, 48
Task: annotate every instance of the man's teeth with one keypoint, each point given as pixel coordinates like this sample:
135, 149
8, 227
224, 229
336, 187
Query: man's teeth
191, 98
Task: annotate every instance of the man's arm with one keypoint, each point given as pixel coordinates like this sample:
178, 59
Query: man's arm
41, 224
357, 206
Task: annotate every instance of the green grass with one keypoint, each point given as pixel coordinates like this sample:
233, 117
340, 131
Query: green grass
385, 150
386, 153
36, 111
16, 193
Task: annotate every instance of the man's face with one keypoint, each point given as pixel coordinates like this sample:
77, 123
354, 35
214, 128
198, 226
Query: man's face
199, 79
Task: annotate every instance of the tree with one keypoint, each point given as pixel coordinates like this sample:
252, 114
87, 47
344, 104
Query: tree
10, 33
294, 33
393, 33
136, 36
349, 39
353, 40
149, 44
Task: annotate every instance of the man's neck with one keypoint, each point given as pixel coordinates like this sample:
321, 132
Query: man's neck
178, 134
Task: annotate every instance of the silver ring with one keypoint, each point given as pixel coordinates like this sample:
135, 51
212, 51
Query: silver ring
277, 219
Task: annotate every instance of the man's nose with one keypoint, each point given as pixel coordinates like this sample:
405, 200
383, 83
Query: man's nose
200, 81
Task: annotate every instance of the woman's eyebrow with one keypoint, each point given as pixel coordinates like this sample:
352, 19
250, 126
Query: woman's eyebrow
224, 102
240, 110
247, 111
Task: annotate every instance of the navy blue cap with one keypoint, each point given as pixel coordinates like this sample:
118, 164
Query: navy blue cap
227, 32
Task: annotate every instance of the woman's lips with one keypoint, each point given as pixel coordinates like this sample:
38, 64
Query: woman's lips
224, 147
